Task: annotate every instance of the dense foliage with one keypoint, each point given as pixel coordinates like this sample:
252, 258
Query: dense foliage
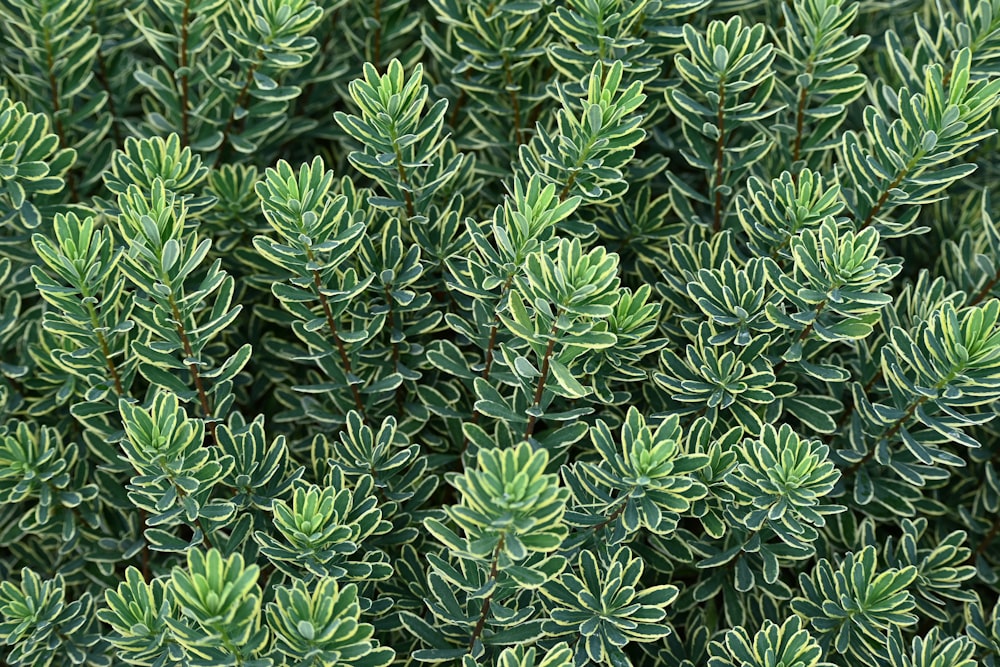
499, 332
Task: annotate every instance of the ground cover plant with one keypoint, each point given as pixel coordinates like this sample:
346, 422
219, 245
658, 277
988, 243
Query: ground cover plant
499, 332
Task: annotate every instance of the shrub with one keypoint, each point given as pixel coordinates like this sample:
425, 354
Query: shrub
499, 332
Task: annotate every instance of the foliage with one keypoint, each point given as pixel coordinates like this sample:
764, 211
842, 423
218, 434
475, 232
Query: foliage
530, 333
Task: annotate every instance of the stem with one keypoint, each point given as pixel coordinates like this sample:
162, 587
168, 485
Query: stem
195, 375
493, 331
514, 101
111, 364
241, 99
614, 515
891, 432
851, 406
404, 179
720, 155
802, 336
485, 609
569, 186
377, 37
884, 197
102, 77
105, 348
181, 493
800, 115
490, 346
459, 103
56, 108
182, 60
987, 539
985, 291
400, 390
579, 163
147, 574
344, 359
800, 121
536, 112
113, 370
106, 351
540, 388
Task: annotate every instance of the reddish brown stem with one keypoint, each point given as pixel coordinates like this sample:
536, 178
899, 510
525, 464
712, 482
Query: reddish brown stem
485, 609
889, 434
344, 359
400, 390
569, 186
404, 179
377, 37
182, 60
802, 336
540, 388
112, 369
102, 77
514, 101
56, 108
241, 99
614, 515
720, 155
493, 331
800, 121
870, 218
490, 346
988, 538
147, 574
193, 368
985, 291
